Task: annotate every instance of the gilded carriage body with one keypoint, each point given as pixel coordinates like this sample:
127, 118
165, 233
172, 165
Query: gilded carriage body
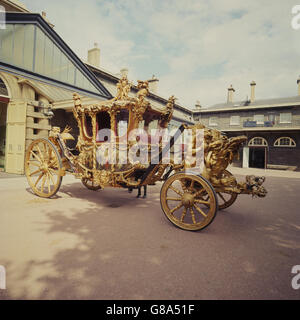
124, 142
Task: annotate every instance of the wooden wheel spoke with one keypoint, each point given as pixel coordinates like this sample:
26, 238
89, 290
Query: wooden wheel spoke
40, 152
173, 199
34, 172
193, 215
53, 162
200, 211
51, 177
176, 208
30, 162
43, 182
221, 196
36, 156
49, 152
38, 179
183, 184
45, 148
204, 197
52, 170
199, 192
192, 185
201, 201
183, 214
176, 190
48, 182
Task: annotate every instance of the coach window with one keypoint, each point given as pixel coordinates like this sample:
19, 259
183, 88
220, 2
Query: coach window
103, 122
122, 119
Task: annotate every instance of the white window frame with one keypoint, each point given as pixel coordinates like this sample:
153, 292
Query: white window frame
253, 144
235, 123
213, 121
291, 144
282, 114
258, 117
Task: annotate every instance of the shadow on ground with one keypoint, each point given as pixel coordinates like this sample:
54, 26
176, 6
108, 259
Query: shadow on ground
110, 245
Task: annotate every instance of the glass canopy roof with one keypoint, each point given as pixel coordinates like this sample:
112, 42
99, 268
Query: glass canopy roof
28, 47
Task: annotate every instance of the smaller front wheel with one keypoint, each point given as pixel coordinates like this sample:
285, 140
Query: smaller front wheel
226, 199
188, 201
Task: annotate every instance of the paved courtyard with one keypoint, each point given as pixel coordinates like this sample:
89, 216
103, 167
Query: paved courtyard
109, 245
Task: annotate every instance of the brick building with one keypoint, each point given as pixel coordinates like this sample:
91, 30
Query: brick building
271, 125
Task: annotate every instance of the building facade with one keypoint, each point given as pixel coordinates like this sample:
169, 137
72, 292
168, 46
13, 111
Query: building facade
272, 127
37, 69
39, 73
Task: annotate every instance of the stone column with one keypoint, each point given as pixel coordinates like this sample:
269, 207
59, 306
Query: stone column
28, 95
43, 122
245, 157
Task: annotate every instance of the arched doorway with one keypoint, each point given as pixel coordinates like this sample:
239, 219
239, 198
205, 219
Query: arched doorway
4, 99
258, 152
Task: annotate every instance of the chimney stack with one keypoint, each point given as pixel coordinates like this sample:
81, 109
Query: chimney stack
298, 82
230, 94
94, 56
198, 105
252, 97
153, 84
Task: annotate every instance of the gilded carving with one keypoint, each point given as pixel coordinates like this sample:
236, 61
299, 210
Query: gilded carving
143, 87
51, 158
123, 89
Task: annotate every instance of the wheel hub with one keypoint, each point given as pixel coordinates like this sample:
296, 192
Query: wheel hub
187, 200
44, 167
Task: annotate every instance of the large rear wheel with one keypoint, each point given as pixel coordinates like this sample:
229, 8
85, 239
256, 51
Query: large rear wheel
188, 201
43, 168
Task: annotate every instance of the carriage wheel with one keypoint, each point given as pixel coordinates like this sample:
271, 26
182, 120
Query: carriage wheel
188, 201
43, 168
90, 184
226, 199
